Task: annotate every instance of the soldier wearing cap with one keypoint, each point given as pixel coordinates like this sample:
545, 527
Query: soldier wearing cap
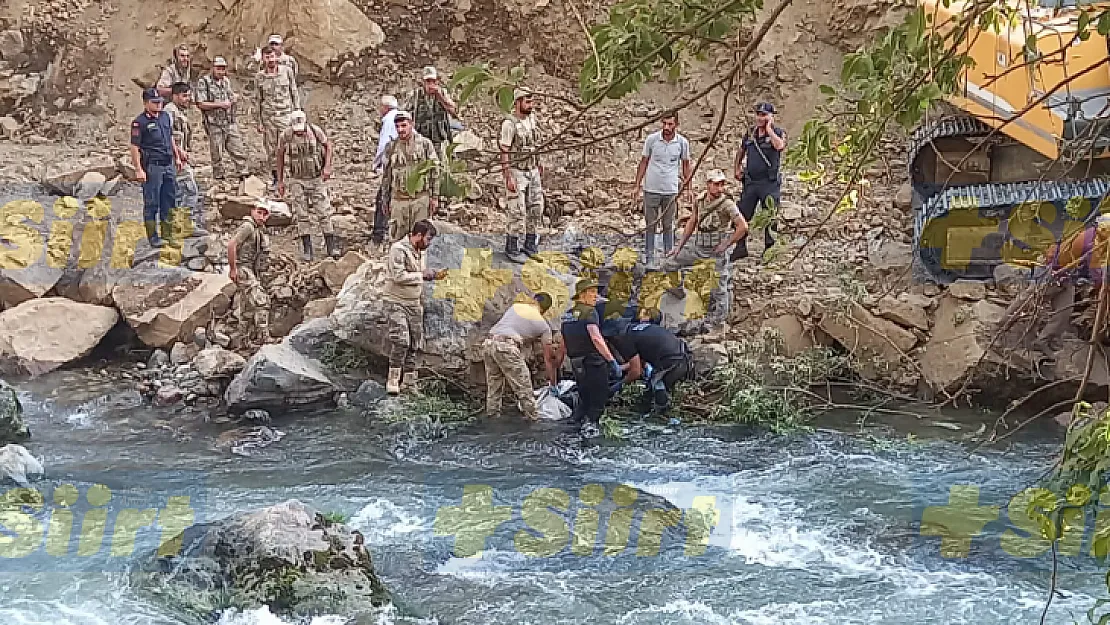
757, 165
188, 195
284, 58
177, 70
308, 152
590, 359
246, 254
431, 108
409, 197
522, 324
217, 100
278, 97
521, 169
716, 224
153, 155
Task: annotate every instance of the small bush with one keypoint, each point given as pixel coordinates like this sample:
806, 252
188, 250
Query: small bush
343, 357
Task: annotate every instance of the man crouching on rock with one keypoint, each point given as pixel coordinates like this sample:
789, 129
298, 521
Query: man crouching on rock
245, 254
522, 323
404, 285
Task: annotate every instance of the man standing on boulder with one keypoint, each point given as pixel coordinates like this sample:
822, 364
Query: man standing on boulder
661, 179
757, 165
176, 70
593, 364
246, 252
388, 110
188, 195
411, 178
153, 154
523, 323
277, 99
217, 101
404, 285
521, 170
308, 152
715, 224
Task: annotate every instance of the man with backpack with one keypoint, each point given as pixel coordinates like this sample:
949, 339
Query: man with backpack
308, 151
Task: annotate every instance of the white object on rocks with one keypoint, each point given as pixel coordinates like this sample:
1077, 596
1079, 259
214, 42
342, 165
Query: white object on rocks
16, 464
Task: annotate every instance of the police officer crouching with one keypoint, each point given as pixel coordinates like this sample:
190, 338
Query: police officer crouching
590, 359
654, 353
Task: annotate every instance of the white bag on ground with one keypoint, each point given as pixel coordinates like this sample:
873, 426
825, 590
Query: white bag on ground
550, 407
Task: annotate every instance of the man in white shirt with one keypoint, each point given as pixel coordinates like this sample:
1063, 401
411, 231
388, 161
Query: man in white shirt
388, 110
664, 170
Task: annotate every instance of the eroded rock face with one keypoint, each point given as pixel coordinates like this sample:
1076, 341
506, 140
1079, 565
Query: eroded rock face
960, 342
287, 557
164, 306
41, 335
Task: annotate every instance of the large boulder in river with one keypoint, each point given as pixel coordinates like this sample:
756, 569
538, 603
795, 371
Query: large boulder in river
168, 305
287, 557
12, 426
277, 376
41, 335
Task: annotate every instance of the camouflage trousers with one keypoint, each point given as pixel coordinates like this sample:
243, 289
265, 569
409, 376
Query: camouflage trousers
188, 196
706, 274
271, 132
253, 303
229, 152
311, 204
404, 213
405, 332
525, 209
505, 364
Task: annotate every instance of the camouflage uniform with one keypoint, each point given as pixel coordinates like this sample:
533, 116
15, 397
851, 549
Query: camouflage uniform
403, 307
307, 192
708, 271
224, 138
253, 304
402, 158
277, 99
430, 119
505, 364
171, 74
287, 60
188, 194
525, 208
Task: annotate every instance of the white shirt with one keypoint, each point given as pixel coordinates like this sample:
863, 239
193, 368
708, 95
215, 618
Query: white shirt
389, 133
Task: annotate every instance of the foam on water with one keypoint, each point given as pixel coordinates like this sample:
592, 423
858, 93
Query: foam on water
263, 616
382, 522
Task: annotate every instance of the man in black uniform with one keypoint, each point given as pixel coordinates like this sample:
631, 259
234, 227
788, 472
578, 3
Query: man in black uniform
590, 358
654, 353
153, 155
757, 165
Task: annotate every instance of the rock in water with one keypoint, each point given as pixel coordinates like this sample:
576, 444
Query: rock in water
41, 335
287, 557
12, 427
276, 377
16, 464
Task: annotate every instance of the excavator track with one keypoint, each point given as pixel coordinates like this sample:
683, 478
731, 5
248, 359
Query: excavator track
961, 230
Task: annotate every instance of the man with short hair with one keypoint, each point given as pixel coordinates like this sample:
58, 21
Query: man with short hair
217, 100
757, 165
308, 152
520, 167
277, 99
153, 154
246, 254
522, 324
662, 177
431, 108
716, 225
177, 70
654, 353
188, 195
284, 58
404, 157
388, 110
405, 275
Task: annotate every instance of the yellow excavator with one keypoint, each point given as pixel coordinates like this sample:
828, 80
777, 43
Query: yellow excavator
1019, 158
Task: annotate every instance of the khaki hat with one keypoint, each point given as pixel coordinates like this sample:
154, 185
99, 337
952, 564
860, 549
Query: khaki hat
520, 92
274, 39
716, 175
399, 115
430, 73
298, 120
219, 62
583, 285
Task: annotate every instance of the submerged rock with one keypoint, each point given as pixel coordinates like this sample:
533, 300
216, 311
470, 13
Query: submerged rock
287, 557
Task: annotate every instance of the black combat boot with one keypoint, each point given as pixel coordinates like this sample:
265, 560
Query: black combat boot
332, 245
530, 250
306, 247
152, 234
512, 251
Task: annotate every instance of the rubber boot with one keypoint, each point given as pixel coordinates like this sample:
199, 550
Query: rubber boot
512, 251
152, 234
410, 379
393, 383
306, 247
166, 228
530, 250
332, 245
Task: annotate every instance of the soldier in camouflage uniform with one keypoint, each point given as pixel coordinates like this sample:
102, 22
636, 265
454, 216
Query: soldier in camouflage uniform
277, 99
716, 225
521, 170
404, 310
431, 108
177, 70
188, 195
284, 58
402, 158
246, 252
216, 99
307, 151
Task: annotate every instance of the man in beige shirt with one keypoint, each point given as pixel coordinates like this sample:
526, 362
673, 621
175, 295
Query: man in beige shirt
521, 169
178, 69
523, 323
277, 99
404, 310
404, 159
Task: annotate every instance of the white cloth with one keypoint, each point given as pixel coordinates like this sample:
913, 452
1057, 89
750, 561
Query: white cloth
550, 407
389, 133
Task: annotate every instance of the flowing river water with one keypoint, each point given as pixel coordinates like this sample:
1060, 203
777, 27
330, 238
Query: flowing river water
815, 528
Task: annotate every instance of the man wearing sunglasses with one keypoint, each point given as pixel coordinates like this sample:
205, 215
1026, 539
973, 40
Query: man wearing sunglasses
757, 165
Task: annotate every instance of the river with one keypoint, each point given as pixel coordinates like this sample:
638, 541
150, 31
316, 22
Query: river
815, 528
